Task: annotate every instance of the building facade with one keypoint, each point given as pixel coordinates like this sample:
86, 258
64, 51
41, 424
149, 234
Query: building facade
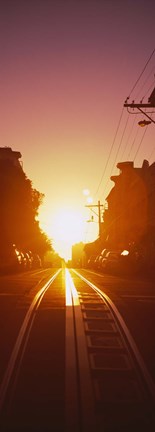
130, 217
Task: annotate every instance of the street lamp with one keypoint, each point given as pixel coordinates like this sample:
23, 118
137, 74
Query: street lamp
144, 122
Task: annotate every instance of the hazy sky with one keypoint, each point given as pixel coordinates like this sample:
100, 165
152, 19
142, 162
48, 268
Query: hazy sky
66, 69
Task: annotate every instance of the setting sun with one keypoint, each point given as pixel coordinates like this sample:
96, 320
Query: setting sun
66, 227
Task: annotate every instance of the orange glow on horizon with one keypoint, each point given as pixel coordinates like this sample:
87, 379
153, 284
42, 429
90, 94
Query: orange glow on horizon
66, 226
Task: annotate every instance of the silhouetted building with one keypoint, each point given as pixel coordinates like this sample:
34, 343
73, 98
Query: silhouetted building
8, 155
130, 217
78, 255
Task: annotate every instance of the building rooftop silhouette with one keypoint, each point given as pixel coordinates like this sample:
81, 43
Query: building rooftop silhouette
7, 154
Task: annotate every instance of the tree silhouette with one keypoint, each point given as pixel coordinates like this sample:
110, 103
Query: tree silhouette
19, 204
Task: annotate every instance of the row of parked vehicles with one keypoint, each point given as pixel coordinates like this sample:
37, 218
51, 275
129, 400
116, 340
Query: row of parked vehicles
110, 260
12, 259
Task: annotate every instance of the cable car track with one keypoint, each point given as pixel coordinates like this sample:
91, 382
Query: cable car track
15, 360
107, 385
122, 390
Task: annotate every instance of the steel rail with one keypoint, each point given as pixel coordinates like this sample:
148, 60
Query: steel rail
79, 398
71, 379
128, 337
22, 339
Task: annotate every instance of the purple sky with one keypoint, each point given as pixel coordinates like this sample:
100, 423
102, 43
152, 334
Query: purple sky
66, 70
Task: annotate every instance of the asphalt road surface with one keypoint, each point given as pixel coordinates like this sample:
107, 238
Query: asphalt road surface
37, 388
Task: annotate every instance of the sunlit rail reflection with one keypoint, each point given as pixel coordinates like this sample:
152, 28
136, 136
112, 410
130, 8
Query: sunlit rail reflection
71, 292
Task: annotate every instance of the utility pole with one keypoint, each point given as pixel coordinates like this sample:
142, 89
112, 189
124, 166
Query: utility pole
99, 205
140, 106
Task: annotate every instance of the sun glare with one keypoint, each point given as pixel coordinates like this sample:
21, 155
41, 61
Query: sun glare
86, 192
66, 227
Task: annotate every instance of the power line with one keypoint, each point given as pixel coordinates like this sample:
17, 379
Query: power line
142, 72
110, 152
148, 76
105, 188
140, 143
112, 146
138, 130
150, 87
119, 145
132, 145
114, 163
125, 147
152, 153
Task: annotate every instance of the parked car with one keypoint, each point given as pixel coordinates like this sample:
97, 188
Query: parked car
36, 261
102, 255
91, 261
111, 261
24, 261
29, 259
10, 259
96, 262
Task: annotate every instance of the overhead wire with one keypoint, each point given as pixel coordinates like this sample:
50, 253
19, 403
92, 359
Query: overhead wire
110, 152
140, 143
117, 154
142, 72
115, 136
132, 145
130, 133
152, 153
143, 85
115, 160
116, 157
105, 188
150, 87
133, 142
